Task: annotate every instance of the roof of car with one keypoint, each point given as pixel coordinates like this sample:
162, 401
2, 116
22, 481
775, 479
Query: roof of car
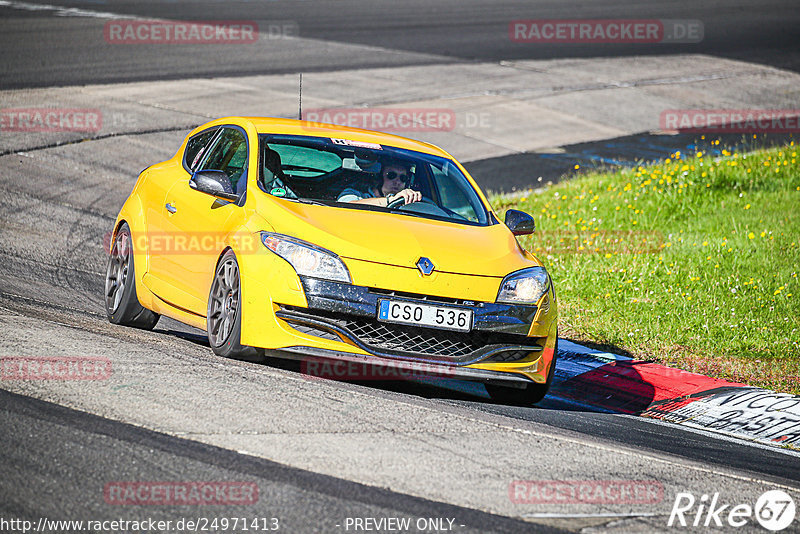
317, 129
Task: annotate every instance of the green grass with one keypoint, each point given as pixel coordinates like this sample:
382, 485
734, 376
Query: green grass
692, 262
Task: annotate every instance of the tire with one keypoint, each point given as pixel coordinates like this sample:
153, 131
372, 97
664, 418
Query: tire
122, 305
532, 394
224, 316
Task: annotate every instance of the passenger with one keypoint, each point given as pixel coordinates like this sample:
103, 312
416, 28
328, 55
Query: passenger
394, 181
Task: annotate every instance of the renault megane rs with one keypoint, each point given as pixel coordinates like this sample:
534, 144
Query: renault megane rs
305, 240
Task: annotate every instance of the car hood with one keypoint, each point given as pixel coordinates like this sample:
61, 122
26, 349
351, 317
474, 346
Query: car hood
401, 240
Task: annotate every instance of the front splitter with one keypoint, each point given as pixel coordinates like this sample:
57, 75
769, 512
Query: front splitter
336, 365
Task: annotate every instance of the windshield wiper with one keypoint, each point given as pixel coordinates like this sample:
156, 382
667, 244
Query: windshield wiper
305, 201
311, 201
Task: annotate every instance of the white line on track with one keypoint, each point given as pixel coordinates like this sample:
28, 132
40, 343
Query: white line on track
722, 436
61, 11
569, 516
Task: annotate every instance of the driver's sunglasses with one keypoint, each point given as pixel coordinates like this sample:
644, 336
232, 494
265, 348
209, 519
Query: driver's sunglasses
391, 175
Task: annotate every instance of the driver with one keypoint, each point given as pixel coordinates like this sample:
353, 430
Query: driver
393, 184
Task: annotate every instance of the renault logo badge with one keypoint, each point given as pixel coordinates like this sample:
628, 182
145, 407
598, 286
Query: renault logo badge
425, 266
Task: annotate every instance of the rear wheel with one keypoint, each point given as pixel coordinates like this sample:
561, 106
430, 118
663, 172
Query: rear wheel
224, 317
122, 305
533, 393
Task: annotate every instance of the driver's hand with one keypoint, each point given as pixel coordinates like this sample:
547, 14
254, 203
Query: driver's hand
409, 195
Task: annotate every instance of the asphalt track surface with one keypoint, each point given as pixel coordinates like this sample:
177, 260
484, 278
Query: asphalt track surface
58, 203
40, 49
81, 449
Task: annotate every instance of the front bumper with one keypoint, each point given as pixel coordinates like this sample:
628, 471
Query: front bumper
347, 313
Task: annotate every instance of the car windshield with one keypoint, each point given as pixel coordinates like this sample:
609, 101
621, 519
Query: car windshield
337, 172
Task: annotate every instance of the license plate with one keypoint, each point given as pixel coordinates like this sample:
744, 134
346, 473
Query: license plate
404, 312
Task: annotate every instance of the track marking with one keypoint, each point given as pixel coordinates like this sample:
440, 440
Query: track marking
61, 11
545, 515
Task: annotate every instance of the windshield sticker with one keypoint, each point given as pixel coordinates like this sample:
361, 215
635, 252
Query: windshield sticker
360, 144
278, 192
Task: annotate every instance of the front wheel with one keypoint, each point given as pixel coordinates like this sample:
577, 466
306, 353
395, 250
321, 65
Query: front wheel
122, 305
224, 317
532, 394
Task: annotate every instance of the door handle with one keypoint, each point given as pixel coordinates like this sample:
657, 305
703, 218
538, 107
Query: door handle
171, 208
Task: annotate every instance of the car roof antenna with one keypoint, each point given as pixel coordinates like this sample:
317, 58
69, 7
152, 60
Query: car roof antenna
300, 110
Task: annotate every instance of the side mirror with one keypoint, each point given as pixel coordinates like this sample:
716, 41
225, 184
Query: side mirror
214, 183
519, 222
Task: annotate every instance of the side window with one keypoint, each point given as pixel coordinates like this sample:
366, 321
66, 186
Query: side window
196, 148
452, 193
229, 154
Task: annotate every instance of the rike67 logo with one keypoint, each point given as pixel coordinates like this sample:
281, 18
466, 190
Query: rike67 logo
774, 510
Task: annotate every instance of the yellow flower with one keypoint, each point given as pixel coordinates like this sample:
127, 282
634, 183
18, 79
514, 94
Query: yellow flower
751, 235
747, 207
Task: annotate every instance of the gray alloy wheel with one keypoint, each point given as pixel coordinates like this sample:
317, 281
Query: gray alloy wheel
224, 317
122, 305
117, 272
223, 305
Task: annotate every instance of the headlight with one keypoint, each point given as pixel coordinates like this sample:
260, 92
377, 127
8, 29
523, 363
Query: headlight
307, 259
524, 287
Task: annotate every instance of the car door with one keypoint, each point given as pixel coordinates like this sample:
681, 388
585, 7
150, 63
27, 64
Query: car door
160, 232
199, 221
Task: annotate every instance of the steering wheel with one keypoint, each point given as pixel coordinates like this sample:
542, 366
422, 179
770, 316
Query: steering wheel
399, 201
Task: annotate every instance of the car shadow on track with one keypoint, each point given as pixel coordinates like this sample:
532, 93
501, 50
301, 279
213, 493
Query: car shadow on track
611, 387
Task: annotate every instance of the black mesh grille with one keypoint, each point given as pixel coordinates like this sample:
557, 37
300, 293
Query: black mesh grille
445, 344
410, 339
508, 356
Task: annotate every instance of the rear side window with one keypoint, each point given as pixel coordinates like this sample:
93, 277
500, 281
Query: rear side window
306, 162
196, 148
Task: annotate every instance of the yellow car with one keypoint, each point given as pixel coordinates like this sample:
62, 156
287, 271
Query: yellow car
307, 240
